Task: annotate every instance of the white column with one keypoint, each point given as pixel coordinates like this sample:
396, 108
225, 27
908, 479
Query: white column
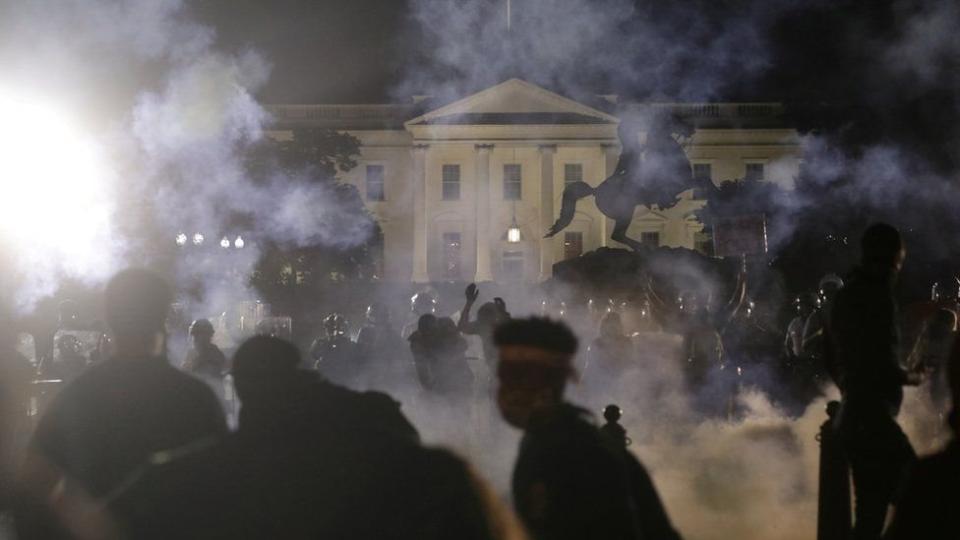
547, 216
420, 274
611, 153
483, 272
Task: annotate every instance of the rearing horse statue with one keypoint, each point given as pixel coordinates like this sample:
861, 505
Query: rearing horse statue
654, 173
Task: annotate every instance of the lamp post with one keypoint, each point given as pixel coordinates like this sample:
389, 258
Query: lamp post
513, 232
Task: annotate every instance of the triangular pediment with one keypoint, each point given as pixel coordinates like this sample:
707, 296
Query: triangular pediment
514, 102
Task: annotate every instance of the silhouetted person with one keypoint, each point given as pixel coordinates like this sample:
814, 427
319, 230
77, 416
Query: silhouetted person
439, 352
489, 315
383, 352
107, 423
335, 355
803, 305
931, 496
312, 460
817, 342
609, 356
570, 480
204, 359
863, 326
421, 303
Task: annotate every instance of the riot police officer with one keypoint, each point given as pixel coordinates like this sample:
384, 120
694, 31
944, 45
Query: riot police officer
335, 355
204, 359
383, 351
421, 303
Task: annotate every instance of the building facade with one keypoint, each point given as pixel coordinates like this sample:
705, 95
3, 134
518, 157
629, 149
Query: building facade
452, 186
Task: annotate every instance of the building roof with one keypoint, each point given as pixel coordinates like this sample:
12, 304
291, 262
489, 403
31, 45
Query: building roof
517, 102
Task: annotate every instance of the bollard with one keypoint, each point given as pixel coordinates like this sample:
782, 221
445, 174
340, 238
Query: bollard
833, 504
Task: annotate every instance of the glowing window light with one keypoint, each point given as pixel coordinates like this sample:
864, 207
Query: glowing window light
239, 243
181, 239
225, 242
197, 239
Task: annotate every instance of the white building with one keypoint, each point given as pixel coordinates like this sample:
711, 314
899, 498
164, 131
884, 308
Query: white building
445, 184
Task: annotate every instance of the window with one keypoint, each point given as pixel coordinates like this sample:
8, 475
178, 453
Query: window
451, 182
512, 187
754, 171
511, 265
451, 256
572, 245
650, 239
572, 172
702, 171
375, 191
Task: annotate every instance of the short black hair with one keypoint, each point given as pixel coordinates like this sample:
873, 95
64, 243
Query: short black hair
881, 243
539, 332
136, 302
265, 357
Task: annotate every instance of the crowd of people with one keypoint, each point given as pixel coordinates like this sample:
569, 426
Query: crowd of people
135, 445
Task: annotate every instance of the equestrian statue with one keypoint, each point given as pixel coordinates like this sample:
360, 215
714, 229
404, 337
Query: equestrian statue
654, 173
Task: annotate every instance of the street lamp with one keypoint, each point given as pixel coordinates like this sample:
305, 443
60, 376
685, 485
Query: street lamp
197, 239
181, 239
225, 243
239, 243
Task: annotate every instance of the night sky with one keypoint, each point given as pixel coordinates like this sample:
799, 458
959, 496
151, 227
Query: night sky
321, 50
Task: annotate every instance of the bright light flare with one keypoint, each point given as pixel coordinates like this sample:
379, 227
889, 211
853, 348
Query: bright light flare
56, 206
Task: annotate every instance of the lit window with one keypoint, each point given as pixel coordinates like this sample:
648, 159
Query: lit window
375, 188
754, 171
572, 172
512, 186
451, 183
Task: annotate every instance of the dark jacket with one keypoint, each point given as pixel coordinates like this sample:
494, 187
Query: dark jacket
866, 343
928, 507
572, 482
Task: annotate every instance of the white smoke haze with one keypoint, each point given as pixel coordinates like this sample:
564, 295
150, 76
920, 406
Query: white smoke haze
577, 46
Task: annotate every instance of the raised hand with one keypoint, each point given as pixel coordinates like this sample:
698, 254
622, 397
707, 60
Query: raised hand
472, 292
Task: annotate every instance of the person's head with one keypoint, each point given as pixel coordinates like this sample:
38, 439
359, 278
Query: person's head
136, 303
882, 247
611, 325
535, 362
263, 366
201, 330
422, 303
427, 323
335, 325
